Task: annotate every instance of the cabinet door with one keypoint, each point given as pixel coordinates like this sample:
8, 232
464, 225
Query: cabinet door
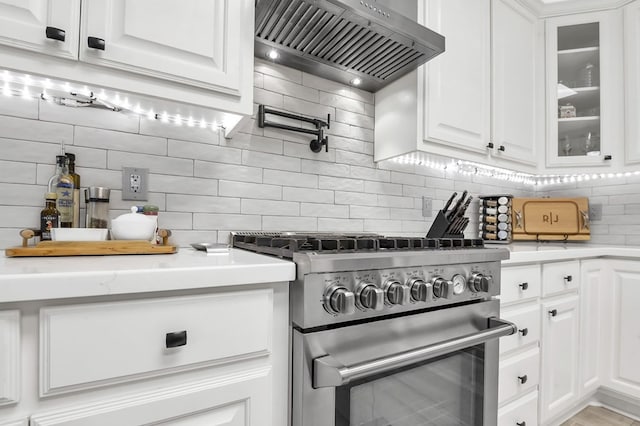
200, 42
560, 339
23, 24
585, 97
590, 322
457, 95
10, 356
514, 40
632, 81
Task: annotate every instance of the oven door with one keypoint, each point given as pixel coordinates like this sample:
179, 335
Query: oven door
432, 368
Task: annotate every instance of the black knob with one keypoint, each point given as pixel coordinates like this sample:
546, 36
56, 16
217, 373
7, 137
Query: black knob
95, 43
501, 148
521, 423
568, 278
553, 312
523, 379
524, 331
490, 145
55, 33
608, 157
173, 340
524, 286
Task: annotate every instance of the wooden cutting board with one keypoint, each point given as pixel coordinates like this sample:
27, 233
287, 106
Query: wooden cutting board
550, 219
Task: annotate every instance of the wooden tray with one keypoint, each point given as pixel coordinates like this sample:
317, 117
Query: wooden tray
89, 248
550, 219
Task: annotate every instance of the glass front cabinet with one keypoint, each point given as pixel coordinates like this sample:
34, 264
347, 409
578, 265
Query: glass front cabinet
584, 90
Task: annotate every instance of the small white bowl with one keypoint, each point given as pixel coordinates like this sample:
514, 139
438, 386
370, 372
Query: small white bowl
133, 226
79, 234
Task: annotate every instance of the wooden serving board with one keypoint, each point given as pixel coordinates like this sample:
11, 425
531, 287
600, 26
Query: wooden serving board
89, 248
550, 219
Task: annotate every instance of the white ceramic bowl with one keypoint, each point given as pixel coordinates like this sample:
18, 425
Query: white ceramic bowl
79, 234
133, 226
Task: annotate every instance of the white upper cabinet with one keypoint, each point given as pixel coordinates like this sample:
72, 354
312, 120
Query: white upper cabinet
584, 90
45, 26
632, 82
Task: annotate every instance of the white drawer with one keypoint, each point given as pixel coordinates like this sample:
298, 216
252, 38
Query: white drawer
91, 345
519, 283
528, 321
523, 412
518, 374
559, 277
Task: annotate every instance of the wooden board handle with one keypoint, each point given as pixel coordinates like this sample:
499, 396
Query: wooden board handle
165, 234
27, 234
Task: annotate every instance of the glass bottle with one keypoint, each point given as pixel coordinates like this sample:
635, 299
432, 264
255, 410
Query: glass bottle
62, 184
49, 216
76, 189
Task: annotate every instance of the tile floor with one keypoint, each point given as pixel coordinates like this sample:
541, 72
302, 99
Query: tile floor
598, 416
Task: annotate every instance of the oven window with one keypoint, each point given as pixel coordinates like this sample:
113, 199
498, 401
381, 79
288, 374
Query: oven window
444, 391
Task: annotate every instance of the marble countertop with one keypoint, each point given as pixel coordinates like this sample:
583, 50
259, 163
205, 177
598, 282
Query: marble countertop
544, 252
40, 278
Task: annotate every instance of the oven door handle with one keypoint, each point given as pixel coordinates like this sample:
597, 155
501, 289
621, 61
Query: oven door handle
328, 372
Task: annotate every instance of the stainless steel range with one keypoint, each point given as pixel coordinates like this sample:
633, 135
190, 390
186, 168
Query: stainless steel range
391, 331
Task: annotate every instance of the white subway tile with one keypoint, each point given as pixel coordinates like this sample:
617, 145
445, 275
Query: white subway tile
382, 188
354, 158
395, 201
343, 103
417, 191
368, 173
9, 237
415, 227
289, 88
234, 172
270, 161
300, 106
89, 177
231, 222
354, 119
174, 221
307, 194
273, 208
341, 184
397, 167
340, 225
17, 172
382, 226
298, 150
275, 70
16, 107
116, 160
363, 95
346, 144
36, 131
23, 195
184, 238
184, 133
258, 80
119, 141
289, 223
325, 85
266, 97
254, 143
26, 151
249, 190
89, 157
89, 117
202, 204
202, 151
340, 129
407, 178
248, 125
118, 206
20, 217
324, 210
325, 168
407, 214
303, 180
182, 185
357, 198
362, 133
367, 212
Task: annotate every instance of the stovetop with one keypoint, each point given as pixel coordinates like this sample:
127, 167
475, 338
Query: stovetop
285, 244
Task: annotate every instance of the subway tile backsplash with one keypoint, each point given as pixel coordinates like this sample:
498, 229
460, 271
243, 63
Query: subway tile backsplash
262, 179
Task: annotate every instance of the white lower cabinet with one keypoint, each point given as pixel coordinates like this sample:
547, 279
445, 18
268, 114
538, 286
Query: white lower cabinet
522, 412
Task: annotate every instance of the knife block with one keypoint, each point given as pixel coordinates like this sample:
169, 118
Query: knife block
440, 225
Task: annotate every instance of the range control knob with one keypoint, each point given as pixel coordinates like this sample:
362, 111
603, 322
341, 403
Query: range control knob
442, 288
480, 282
339, 300
397, 294
370, 297
420, 290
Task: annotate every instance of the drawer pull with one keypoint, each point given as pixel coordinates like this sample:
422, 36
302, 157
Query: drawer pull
179, 338
521, 423
523, 379
55, 33
524, 331
523, 286
95, 43
568, 278
553, 312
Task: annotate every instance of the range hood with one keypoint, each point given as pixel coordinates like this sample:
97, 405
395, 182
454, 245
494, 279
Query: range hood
342, 40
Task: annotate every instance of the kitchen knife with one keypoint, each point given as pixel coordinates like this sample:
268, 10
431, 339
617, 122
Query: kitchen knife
464, 207
452, 212
446, 206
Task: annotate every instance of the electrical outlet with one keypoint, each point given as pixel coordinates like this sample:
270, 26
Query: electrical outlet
427, 207
595, 212
135, 183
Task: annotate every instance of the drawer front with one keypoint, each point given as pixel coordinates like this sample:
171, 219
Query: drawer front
523, 411
519, 283
528, 321
560, 277
518, 374
90, 345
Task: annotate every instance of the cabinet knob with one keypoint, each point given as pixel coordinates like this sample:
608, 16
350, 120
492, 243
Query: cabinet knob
523, 379
490, 145
553, 312
524, 286
568, 278
521, 423
95, 43
608, 157
501, 148
524, 331
178, 338
55, 33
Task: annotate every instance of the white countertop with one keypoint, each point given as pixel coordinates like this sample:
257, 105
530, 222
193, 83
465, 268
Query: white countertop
544, 252
40, 278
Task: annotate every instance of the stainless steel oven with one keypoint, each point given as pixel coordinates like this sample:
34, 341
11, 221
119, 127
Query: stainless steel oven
391, 332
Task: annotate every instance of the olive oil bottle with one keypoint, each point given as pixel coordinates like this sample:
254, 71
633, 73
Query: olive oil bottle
76, 189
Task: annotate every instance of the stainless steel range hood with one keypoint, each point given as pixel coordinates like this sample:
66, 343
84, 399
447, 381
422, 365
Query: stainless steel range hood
344, 39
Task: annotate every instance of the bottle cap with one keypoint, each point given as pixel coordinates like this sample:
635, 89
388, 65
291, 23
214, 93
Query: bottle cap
71, 157
61, 159
51, 196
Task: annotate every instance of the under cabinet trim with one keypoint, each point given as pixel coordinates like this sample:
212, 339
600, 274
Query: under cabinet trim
21, 422
10, 367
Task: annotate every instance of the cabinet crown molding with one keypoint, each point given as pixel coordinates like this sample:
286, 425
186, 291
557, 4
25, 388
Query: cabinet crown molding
545, 9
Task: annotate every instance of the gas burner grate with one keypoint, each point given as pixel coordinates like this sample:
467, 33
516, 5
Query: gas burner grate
285, 244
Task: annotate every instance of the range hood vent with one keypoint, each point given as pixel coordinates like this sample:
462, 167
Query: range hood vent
344, 39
